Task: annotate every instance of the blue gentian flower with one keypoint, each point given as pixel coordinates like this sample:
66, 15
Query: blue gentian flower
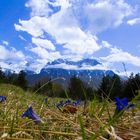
76, 103
121, 104
62, 103
2, 98
31, 115
68, 102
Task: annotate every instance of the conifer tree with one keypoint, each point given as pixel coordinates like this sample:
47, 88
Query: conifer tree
77, 88
2, 76
21, 80
110, 87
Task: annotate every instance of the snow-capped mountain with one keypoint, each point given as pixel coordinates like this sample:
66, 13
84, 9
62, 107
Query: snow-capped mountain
88, 70
79, 64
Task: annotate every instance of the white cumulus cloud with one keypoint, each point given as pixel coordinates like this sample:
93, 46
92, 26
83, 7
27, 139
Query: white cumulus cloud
6, 43
12, 59
44, 54
117, 55
10, 54
99, 15
39, 7
44, 43
64, 28
75, 27
133, 21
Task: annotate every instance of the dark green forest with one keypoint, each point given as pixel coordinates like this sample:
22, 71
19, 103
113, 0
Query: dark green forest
110, 87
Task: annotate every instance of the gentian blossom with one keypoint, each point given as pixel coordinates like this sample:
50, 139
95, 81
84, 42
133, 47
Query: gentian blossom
32, 115
67, 103
2, 98
60, 104
122, 104
76, 103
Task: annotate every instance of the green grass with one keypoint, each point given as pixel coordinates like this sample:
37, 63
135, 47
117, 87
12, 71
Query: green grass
93, 122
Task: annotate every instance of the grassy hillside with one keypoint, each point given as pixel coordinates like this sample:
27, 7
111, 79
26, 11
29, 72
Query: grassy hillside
93, 120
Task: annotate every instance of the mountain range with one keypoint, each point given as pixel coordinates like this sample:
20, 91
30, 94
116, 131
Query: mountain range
60, 69
79, 64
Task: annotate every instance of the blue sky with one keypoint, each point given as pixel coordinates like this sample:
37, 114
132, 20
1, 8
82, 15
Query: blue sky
35, 32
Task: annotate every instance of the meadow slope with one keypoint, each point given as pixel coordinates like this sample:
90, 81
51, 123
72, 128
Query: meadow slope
91, 121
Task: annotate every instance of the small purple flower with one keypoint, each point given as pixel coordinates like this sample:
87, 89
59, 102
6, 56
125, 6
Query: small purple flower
32, 115
122, 104
3, 98
68, 102
76, 103
62, 104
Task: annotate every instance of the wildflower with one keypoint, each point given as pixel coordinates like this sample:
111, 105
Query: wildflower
76, 103
68, 106
60, 104
68, 102
121, 104
63, 104
32, 115
2, 98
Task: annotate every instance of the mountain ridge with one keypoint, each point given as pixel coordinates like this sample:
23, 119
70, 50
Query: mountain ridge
79, 63
66, 68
